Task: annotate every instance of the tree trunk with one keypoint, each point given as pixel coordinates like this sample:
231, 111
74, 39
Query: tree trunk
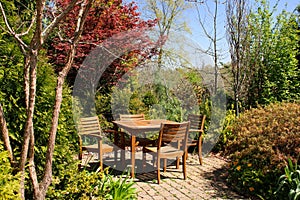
47, 179
30, 67
29, 121
5, 135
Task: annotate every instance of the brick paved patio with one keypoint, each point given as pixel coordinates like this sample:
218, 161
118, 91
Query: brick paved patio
203, 182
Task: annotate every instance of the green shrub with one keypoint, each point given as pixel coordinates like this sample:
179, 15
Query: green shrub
74, 184
168, 98
9, 182
12, 99
226, 131
262, 141
118, 188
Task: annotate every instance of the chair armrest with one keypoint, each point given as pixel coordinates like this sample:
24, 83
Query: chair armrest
117, 134
109, 131
196, 130
95, 135
112, 131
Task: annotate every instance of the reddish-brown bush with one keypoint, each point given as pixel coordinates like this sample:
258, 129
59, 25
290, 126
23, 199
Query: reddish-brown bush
262, 140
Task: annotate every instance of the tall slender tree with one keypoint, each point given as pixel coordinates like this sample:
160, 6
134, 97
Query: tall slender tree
208, 18
31, 49
237, 13
169, 18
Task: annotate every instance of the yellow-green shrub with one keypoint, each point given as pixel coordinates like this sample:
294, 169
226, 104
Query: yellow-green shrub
86, 184
9, 183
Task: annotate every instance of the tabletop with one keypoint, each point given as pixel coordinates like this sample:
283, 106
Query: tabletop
138, 126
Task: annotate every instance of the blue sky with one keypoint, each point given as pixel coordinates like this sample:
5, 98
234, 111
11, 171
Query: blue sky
197, 34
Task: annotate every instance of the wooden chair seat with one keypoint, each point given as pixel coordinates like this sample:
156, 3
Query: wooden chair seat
166, 151
106, 148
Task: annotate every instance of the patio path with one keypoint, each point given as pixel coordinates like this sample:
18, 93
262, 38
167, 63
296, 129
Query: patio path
203, 182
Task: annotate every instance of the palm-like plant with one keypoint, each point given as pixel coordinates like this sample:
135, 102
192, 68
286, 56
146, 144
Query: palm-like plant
289, 182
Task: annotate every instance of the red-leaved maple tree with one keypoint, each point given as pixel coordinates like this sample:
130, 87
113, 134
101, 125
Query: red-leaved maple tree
105, 19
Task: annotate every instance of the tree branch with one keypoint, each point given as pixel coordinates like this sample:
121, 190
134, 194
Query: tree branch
85, 7
58, 19
29, 28
10, 30
202, 25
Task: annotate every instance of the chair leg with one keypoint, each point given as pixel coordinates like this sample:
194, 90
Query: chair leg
184, 165
153, 160
101, 161
200, 149
100, 155
165, 165
158, 169
101, 165
120, 137
80, 154
177, 162
144, 159
116, 156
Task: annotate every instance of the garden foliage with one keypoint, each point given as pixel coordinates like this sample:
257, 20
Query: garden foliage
12, 97
274, 72
12, 100
262, 141
289, 182
68, 183
9, 182
74, 184
172, 95
105, 19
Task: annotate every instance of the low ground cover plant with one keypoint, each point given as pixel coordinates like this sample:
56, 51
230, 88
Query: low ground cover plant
262, 141
9, 181
91, 184
289, 182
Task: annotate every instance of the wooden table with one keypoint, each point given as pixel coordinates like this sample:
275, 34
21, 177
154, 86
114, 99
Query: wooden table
135, 127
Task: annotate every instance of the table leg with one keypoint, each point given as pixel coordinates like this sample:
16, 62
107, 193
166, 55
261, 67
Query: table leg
123, 149
133, 141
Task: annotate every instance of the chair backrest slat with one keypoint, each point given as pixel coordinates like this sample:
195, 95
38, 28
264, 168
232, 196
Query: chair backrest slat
89, 125
196, 121
173, 133
132, 117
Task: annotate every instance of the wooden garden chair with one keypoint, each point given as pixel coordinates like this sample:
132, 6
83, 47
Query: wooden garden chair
171, 143
196, 127
89, 126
